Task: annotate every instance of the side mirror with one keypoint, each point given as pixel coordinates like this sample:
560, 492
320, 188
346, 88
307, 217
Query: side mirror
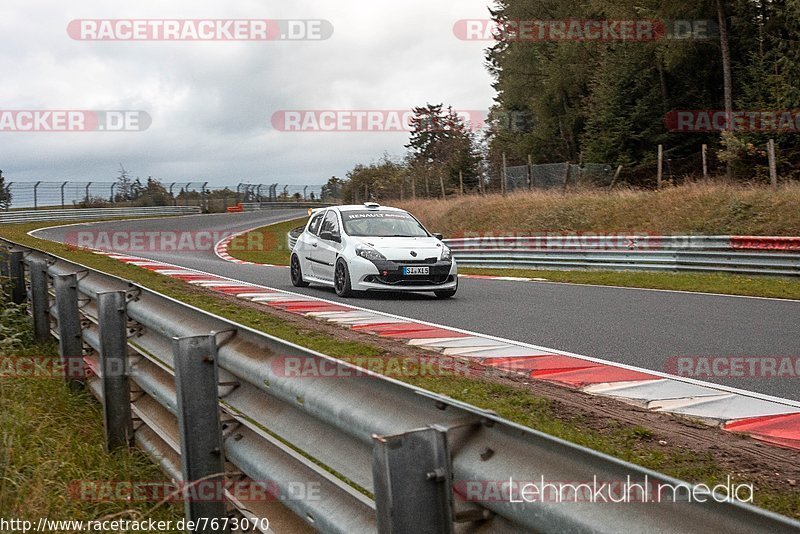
330, 236
438, 236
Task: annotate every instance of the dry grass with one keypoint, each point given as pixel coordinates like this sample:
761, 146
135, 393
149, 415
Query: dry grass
701, 208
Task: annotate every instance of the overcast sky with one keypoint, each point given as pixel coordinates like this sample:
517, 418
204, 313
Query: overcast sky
211, 102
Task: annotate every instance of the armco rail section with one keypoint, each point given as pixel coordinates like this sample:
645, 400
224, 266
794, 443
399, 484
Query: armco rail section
256, 206
93, 213
205, 396
732, 254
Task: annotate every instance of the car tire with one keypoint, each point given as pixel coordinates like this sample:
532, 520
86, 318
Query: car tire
341, 279
297, 272
446, 293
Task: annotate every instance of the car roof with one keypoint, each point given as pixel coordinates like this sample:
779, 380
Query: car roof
361, 207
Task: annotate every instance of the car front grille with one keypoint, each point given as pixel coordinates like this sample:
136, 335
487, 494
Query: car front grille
426, 261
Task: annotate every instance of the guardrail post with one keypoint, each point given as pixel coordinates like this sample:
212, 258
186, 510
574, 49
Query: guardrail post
17, 273
413, 482
196, 379
114, 369
70, 344
40, 300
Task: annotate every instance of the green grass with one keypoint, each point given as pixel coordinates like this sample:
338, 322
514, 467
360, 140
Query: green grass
265, 245
725, 284
51, 439
518, 404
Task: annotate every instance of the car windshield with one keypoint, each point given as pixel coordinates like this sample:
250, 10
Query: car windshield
382, 224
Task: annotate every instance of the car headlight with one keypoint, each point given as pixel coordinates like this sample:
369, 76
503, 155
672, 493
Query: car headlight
369, 253
446, 254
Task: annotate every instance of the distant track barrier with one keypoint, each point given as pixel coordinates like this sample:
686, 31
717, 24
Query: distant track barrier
731, 254
93, 213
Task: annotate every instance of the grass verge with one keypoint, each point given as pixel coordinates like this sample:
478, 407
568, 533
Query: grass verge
720, 283
275, 249
52, 439
630, 442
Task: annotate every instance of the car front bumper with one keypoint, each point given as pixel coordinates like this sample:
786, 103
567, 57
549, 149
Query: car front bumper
387, 276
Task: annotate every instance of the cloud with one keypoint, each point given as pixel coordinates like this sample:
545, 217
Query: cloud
211, 102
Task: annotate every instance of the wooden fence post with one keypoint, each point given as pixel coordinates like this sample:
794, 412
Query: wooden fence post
503, 184
773, 167
530, 172
705, 160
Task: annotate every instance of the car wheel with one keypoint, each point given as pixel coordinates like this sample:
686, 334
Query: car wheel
446, 293
297, 273
341, 279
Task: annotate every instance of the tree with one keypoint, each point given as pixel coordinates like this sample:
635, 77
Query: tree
5, 194
379, 180
154, 194
124, 188
332, 189
606, 100
440, 147
725, 52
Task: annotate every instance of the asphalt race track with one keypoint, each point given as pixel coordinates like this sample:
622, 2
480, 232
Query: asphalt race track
636, 327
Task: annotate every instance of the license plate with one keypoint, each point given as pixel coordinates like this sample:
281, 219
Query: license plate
410, 271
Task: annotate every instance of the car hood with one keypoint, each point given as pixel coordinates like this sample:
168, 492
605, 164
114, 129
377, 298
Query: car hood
405, 248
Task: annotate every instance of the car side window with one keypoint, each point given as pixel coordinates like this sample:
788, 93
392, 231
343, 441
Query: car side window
313, 227
331, 224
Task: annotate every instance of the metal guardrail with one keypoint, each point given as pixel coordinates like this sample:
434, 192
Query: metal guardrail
291, 237
204, 395
771, 256
255, 206
743, 255
93, 213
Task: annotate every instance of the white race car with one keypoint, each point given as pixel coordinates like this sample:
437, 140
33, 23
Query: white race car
372, 248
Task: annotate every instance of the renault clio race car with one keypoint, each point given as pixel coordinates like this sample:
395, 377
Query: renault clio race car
372, 248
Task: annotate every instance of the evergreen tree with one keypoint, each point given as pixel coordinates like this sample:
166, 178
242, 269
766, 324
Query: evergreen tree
5, 193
